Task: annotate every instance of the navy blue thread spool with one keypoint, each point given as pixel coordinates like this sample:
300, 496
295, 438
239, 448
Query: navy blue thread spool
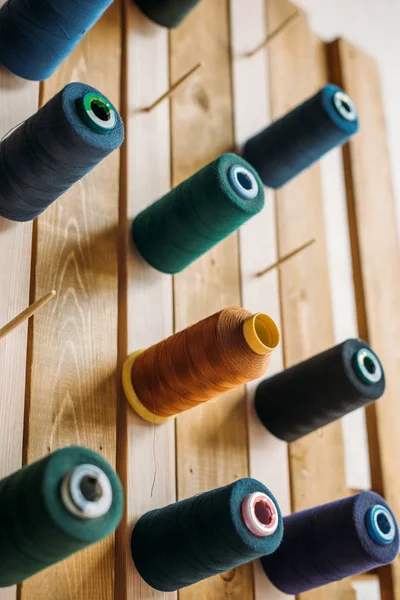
55, 148
320, 390
37, 35
167, 13
301, 137
333, 541
183, 543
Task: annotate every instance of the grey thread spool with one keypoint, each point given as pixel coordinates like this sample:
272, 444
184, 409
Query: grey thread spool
55, 148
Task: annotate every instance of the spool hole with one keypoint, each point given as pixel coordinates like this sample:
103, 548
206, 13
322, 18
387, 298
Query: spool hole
91, 488
369, 365
345, 106
263, 512
100, 109
383, 523
244, 180
268, 335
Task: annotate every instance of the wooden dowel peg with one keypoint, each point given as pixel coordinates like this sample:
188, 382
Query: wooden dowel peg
286, 258
274, 34
173, 88
26, 314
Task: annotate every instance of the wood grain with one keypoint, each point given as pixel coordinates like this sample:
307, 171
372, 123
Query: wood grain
211, 440
18, 101
74, 346
146, 294
268, 456
297, 68
376, 265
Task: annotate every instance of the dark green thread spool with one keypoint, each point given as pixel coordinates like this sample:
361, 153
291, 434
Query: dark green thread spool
168, 13
54, 508
197, 214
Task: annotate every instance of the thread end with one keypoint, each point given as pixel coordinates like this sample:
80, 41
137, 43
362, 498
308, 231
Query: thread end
261, 333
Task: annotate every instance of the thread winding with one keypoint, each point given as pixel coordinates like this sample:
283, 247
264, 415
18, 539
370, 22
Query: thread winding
167, 13
37, 35
333, 541
302, 136
320, 390
38, 527
197, 214
213, 356
55, 148
183, 543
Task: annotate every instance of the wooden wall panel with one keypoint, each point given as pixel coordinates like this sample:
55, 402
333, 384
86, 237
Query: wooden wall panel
74, 347
146, 295
376, 264
297, 68
268, 456
211, 440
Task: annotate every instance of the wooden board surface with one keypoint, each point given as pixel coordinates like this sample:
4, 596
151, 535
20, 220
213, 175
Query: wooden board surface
376, 264
212, 440
297, 55
72, 394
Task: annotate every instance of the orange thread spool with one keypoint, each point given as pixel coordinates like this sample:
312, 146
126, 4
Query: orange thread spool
217, 354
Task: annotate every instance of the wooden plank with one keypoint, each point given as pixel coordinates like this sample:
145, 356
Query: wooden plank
18, 101
211, 440
268, 456
146, 294
376, 263
297, 56
354, 426
367, 587
74, 346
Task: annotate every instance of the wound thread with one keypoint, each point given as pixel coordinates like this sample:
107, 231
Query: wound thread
167, 13
213, 356
197, 214
302, 136
320, 390
38, 528
194, 539
54, 149
37, 35
330, 542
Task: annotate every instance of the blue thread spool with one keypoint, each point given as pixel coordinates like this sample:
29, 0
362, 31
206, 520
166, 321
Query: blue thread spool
333, 541
55, 148
37, 35
300, 138
183, 543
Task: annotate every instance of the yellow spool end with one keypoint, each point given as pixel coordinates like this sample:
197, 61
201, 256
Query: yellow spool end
261, 333
131, 396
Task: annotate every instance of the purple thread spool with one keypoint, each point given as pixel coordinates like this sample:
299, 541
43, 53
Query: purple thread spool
333, 541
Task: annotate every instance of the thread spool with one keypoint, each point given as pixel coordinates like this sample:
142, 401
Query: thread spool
301, 137
36, 35
333, 541
167, 13
320, 390
217, 354
197, 214
53, 508
210, 533
55, 148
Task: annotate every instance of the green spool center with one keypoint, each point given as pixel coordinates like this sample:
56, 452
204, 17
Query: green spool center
97, 113
367, 366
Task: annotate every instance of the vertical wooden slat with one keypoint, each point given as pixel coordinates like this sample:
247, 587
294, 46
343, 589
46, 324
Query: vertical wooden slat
268, 456
74, 346
211, 440
146, 292
376, 265
18, 101
297, 67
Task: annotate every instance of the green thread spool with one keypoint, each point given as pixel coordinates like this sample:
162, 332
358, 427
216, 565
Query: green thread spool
53, 508
168, 13
197, 214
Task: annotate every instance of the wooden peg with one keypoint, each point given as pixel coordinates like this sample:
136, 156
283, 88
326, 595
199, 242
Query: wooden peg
286, 258
173, 88
26, 314
274, 34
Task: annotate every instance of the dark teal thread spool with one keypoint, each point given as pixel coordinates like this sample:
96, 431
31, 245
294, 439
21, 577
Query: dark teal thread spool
54, 508
167, 13
197, 214
183, 543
